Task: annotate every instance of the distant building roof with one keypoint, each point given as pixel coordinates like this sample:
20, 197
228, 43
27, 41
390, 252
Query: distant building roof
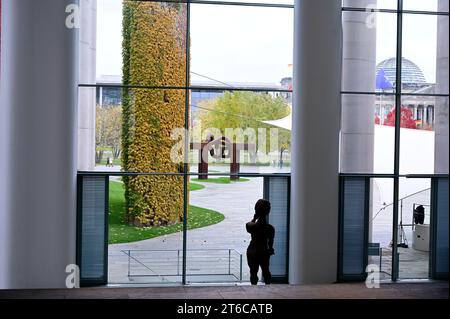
428, 89
412, 75
109, 79
117, 79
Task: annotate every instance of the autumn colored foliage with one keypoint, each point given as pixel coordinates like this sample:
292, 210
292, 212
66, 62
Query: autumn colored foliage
154, 54
406, 120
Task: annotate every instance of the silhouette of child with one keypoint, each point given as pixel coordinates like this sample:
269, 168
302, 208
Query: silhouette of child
261, 246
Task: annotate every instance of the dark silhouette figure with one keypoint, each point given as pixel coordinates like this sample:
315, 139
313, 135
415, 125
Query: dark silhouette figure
419, 215
261, 245
109, 162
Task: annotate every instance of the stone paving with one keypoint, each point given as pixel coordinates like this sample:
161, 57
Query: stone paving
216, 249
413, 264
236, 201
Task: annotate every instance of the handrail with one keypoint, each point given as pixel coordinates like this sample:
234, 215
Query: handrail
130, 257
226, 174
232, 260
197, 249
400, 199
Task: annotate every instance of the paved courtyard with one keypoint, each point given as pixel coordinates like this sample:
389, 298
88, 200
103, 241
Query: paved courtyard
216, 248
217, 253
413, 264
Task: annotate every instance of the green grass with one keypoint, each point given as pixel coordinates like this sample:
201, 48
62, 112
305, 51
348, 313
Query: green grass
195, 187
116, 162
247, 163
220, 180
119, 232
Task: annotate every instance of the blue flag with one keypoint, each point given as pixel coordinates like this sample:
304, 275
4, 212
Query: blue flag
382, 82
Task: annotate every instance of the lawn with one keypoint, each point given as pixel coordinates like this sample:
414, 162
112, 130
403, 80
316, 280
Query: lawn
119, 232
116, 162
220, 180
195, 186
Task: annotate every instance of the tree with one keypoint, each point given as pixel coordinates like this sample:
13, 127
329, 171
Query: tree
114, 137
406, 119
100, 132
377, 120
243, 110
107, 131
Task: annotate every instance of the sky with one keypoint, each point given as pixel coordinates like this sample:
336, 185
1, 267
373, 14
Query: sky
255, 45
419, 35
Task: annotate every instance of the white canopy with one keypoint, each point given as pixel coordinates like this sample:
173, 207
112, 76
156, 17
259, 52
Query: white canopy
285, 122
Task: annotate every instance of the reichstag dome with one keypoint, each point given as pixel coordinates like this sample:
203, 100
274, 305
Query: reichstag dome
412, 75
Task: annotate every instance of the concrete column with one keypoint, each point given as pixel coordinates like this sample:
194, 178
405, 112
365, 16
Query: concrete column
358, 74
100, 97
4, 167
315, 142
86, 102
38, 101
441, 156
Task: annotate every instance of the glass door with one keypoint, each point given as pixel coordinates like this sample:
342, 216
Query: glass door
414, 229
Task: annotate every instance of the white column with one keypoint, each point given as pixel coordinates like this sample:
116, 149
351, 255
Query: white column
358, 74
441, 156
315, 142
86, 102
4, 166
38, 100
100, 96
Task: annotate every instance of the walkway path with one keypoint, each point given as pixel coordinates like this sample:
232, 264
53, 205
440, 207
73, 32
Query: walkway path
236, 201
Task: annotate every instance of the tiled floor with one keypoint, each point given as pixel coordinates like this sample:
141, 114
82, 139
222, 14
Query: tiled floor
432, 290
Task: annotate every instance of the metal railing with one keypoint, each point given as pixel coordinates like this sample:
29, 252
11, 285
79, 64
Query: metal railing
199, 262
407, 205
401, 201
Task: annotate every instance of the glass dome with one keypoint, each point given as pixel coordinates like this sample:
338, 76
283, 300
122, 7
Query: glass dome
412, 75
